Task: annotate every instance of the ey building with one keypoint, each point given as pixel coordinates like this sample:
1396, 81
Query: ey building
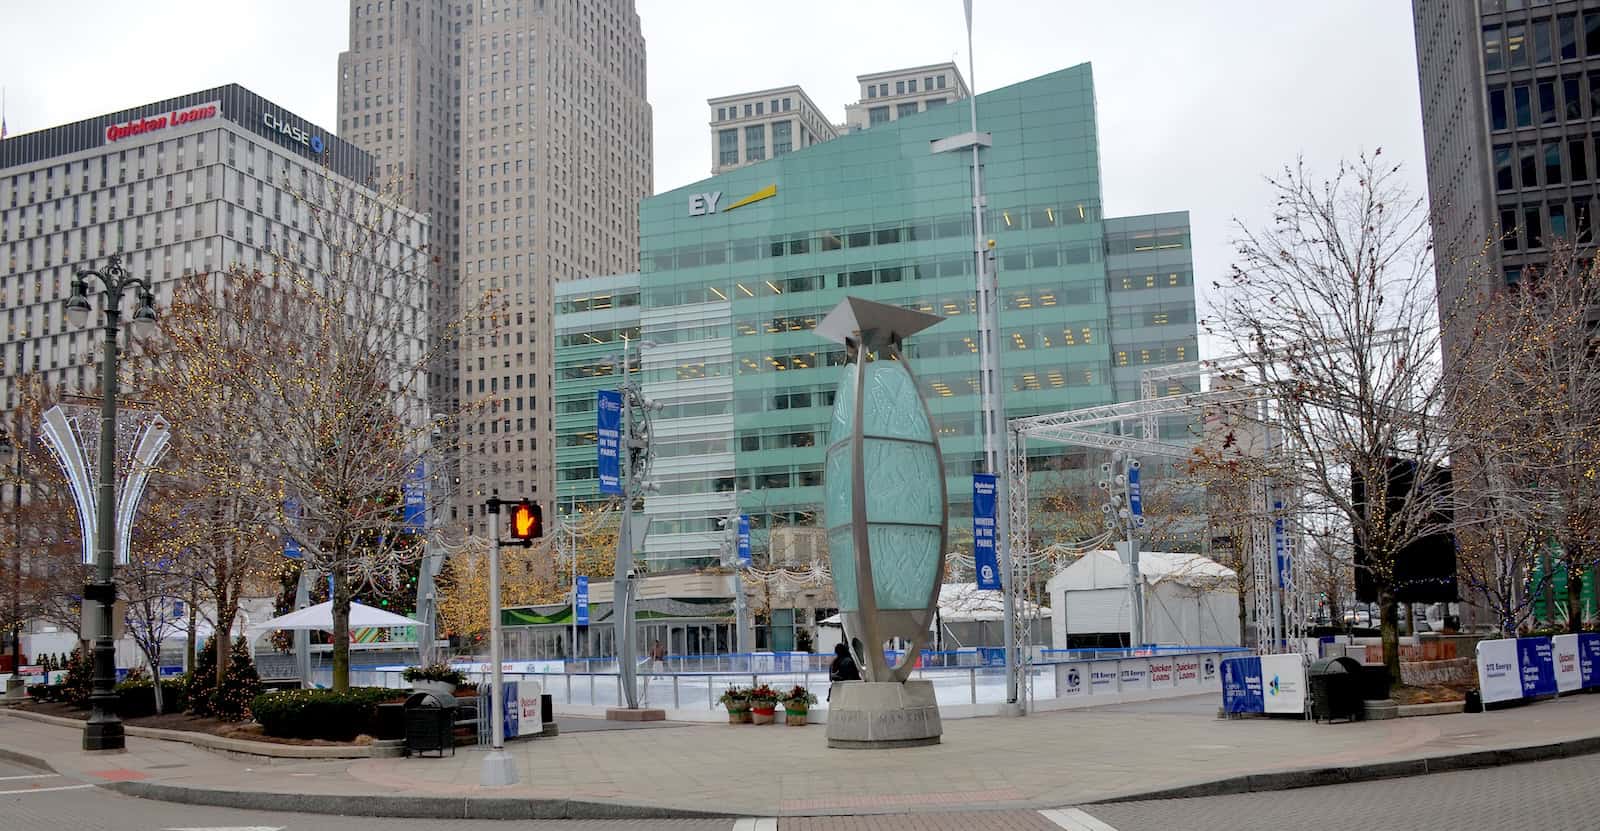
737, 270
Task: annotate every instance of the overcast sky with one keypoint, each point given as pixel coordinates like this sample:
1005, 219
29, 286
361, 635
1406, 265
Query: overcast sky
1197, 101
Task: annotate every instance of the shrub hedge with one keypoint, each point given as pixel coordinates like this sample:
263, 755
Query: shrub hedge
321, 714
138, 697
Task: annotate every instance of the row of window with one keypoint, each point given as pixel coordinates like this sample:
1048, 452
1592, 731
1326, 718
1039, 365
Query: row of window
1525, 227
1514, 106
951, 226
778, 105
1544, 164
1507, 46
880, 115
906, 87
622, 299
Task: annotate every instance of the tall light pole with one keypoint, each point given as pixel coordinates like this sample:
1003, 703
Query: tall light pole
104, 728
634, 467
16, 688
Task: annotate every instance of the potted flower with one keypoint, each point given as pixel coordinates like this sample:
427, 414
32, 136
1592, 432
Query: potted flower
439, 679
763, 703
797, 705
737, 700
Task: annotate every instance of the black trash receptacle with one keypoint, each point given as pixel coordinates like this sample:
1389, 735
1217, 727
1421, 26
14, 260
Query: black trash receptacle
1335, 689
430, 723
1374, 682
389, 722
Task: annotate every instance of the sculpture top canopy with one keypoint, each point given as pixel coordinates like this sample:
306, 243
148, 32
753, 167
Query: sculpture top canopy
879, 324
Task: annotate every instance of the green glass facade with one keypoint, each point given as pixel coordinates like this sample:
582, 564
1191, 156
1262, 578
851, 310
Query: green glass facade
593, 315
730, 293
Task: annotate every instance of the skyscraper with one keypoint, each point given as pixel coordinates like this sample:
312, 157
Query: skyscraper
530, 118
1508, 88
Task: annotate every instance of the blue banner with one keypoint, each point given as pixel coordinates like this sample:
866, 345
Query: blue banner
1135, 492
416, 510
513, 710
1241, 685
1280, 545
1589, 658
580, 603
291, 548
744, 539
984, 559
1536, 660
608, 437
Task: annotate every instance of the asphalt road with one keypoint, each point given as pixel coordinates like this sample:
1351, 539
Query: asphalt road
1561, 794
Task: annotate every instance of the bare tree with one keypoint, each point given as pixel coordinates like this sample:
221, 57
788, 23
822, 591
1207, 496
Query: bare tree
151, 585
1334, 303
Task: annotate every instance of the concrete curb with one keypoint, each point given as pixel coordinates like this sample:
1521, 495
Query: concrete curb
243, 747
1317, 777
26, 760
415, 807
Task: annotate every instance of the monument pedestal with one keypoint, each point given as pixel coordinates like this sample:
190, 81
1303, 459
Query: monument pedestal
874, 715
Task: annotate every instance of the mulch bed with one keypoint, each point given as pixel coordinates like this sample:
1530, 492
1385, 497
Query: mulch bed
1431, 694
249, 731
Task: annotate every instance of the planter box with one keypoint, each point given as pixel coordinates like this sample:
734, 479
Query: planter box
795, 718
762, 715
738, 715
443, 689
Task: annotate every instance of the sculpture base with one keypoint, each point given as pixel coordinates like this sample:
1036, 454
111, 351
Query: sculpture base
874, 715
638, 714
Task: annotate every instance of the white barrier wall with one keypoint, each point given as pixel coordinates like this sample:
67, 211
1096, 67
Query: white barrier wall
1109, 681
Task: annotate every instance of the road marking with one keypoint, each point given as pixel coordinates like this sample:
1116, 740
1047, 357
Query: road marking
43, 790
232, 828
1074, 819
30, 776
756, 824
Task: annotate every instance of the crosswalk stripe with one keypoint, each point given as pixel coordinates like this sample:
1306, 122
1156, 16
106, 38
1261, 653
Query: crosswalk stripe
1074, 819
756, 824
44, 790
30, 776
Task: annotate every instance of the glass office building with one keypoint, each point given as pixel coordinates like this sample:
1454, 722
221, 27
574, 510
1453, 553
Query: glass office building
737, 270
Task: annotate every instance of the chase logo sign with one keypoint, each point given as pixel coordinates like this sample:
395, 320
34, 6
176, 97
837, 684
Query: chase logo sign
702, 204
292, 133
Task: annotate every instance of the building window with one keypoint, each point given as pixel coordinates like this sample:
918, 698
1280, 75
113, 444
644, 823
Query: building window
1543, 49
911, 85
1572, 97
1547, 102
747, 111
1558, 220
1578, 159
759, 105
1516, 45
728, 146
899, 87
941, 81
786, 103
1532, 228
1581, 214
1567, 31
1552, 163
1497, 108
782, 137
883, 88
1523, 102
1591, 33
872, 90
1530, 166
1493, 60
1508, 229
722, 113
877, 115
1503, 180
903, 110
755, 142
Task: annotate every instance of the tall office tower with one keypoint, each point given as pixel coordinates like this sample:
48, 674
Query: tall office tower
399, 99
555, 157
1508, 90
547, 157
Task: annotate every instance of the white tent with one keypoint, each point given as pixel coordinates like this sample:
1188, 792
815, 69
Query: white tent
1188, 599
320, 618
966, 603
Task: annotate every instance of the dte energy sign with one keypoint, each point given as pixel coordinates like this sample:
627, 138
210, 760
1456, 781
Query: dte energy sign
291, 132
140, 126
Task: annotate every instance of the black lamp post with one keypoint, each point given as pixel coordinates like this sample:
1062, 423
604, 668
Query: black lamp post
104, 729
15, 686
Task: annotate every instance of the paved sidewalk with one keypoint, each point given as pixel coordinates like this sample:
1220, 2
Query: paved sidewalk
1042, 760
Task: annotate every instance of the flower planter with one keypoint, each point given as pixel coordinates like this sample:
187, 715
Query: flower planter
763, 713
739, 714
795, 718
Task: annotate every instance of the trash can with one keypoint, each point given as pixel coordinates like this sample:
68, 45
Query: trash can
1335, 689
1374, 682
389, 722
430, 723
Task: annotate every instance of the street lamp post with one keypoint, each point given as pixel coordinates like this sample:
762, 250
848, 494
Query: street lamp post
104, 729
16, 688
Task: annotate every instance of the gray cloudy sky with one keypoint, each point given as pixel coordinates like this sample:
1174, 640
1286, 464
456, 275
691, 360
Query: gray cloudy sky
1196, 100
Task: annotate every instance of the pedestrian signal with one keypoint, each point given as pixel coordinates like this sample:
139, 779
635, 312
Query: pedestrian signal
527, 521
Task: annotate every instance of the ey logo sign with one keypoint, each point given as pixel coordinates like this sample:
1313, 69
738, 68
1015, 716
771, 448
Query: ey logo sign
701, 204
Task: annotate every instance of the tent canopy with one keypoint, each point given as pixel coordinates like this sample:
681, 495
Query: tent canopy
320, 618
966, 603
1105, 569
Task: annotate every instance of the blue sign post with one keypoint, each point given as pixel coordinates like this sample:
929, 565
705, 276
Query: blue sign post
1135, 492
581, 601
744, 539
1280, 545
291, 548
608, 438
984, 559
